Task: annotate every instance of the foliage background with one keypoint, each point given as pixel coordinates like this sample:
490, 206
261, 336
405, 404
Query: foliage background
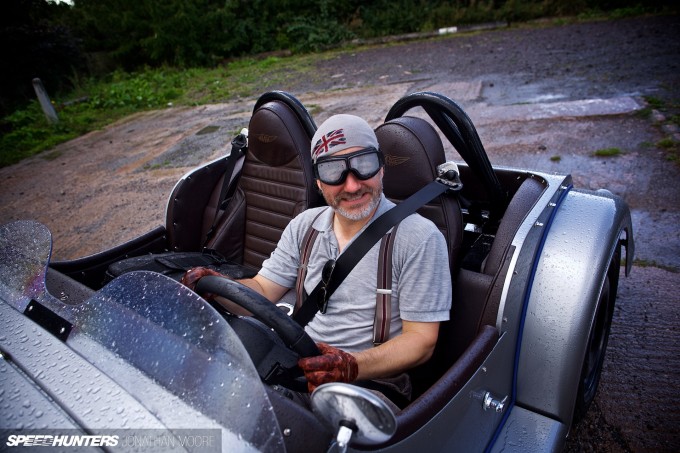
126, 55
59, 42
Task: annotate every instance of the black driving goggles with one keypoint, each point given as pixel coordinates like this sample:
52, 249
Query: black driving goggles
364, 164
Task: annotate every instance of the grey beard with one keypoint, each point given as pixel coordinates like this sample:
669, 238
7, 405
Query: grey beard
364, 213
361, 215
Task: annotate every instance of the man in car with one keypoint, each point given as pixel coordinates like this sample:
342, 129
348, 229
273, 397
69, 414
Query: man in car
349, 168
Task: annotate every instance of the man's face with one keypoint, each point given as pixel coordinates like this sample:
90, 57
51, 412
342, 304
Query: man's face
353, 199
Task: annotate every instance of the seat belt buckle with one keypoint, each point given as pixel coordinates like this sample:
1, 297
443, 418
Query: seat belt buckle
449, 175
241, 140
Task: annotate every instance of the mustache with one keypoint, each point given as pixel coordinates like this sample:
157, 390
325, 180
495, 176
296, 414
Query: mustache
352, 195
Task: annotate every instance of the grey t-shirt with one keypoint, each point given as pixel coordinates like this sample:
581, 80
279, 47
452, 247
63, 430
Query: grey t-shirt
421, 280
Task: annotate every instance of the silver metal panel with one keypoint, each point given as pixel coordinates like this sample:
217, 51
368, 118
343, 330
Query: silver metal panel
143, 352
463, 425
526, 431
72, 382
23, 405
555, 184
561, 308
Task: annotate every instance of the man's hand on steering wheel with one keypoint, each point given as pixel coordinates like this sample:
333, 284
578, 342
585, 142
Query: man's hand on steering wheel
333, 365
192, 276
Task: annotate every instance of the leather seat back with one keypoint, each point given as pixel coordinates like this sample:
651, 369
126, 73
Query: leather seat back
276, 184
413, 150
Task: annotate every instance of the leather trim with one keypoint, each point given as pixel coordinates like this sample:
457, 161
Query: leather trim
383, 302
185, 212
524, 199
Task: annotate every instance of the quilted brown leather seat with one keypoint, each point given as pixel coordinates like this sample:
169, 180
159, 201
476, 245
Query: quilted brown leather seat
413, 150
276, 183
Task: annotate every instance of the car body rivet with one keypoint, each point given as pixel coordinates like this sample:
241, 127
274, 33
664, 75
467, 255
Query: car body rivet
539, 224
552, 205
287, 432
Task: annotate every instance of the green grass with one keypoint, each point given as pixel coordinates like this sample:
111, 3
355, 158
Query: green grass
650, 263
668, 109
27, 132
105, 102
666, 143
607, 152
654, 102
671, 148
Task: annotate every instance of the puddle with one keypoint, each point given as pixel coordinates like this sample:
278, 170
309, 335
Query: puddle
546, 98
489, 114
657, 237
208, 130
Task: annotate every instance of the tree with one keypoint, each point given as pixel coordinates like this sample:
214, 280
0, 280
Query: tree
34, 42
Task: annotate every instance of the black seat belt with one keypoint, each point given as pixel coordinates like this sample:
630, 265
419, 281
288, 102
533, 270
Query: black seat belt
239, 145
366, 240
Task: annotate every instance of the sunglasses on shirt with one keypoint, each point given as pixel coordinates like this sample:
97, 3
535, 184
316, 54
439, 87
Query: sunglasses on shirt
364, 164
326, 274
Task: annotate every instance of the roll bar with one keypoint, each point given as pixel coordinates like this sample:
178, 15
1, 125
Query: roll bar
456, 125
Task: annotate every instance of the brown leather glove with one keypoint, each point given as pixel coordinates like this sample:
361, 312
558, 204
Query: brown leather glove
192, 277
333, 365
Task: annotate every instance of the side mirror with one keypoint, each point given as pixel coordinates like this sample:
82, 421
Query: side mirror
357, 415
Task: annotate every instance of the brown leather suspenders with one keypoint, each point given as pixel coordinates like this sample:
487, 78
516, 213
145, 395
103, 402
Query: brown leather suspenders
383, 296
305, 251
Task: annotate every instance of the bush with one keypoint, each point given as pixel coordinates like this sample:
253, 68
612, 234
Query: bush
143, 90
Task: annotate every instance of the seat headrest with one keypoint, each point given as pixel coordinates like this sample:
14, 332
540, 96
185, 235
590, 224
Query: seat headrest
275, 135
412, 150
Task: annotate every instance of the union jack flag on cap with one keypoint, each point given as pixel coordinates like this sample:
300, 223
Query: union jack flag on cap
330, 140
341, 132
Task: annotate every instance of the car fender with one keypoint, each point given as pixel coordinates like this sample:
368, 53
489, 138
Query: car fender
582, 237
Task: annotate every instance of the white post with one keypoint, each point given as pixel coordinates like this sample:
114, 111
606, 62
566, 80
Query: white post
45, 103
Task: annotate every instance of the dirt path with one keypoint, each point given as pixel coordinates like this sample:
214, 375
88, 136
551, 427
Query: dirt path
542, 98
